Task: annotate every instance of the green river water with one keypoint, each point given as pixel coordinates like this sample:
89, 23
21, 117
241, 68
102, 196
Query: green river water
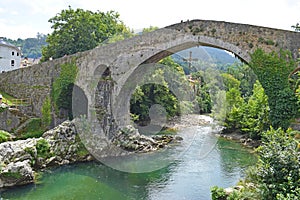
206, 161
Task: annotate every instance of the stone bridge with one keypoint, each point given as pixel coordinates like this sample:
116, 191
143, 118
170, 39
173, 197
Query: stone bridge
100, 90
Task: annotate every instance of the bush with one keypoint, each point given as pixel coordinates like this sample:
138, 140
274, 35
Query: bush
218, 193
46, 113
277, 172
42, 148
33, 129
4, 136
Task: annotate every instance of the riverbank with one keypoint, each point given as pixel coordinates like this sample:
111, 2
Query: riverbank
188, 120
21, 159
201, 120
241, 138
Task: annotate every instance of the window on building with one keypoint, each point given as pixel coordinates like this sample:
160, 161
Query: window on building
12, 63
17, 53
12, 53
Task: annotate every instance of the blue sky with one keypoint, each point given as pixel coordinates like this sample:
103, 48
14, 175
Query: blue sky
24, 18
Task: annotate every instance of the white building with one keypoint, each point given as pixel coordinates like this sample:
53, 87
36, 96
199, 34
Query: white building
10, 56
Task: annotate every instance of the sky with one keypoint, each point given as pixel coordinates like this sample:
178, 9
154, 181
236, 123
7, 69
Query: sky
25, 18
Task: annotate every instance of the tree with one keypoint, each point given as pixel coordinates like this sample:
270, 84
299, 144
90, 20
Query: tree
150, 94
255, 113
296, 27
31, 47
80, 30
150, 29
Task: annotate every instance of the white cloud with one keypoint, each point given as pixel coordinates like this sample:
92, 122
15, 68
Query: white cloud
138, 14
14, 12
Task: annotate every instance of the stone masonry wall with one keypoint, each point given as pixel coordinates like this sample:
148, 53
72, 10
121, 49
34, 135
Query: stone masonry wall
33, 82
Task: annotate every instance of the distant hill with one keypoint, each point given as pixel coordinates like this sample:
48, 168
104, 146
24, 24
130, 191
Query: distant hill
204, 57
30, 47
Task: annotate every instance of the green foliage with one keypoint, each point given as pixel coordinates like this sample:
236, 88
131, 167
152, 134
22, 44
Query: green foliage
202, 92
150, 29
296, 27
43, 148
245, 75
272, 71
250, 117
255, 113
33, 129
153, 94
298, 97
62, 87
11, 175
2, 109
277, 172
147, 95
31, 47
80, 30
234, 104
4, 136
230, 81
219, 110
46, 112
218, 193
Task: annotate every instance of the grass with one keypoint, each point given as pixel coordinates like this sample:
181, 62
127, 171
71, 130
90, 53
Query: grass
4, 136
11, 101
7, 98
12, 175
33, 129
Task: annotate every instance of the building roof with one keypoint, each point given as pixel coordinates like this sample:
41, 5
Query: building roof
4, 43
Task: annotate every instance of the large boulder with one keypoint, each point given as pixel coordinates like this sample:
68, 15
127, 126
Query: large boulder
16, 173
131, 140
59, 146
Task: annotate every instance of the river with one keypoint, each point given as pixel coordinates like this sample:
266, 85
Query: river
204, 160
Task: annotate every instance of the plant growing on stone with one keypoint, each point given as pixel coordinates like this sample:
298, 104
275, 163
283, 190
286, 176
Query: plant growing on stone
273, 71
43, 148
62, 87
46, 113
4, 136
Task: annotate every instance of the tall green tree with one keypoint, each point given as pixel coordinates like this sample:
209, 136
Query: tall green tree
255, 114
147, 95
80, 30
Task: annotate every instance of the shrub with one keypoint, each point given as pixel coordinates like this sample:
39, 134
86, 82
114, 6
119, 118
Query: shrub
43, 148
33, 129
4, 136
218, 193
46, 112
277, 172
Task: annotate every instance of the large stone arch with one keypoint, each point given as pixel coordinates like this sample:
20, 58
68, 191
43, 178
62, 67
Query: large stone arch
124, 57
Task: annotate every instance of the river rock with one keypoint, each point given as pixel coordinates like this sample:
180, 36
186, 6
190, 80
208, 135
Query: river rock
16, 173
59, 146
130, 139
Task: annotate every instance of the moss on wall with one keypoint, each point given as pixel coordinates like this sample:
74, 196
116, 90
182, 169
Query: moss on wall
62, 87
